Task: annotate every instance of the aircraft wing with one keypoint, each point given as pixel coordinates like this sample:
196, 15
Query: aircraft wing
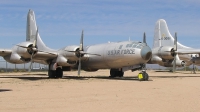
45, 55
188, 51
4, 52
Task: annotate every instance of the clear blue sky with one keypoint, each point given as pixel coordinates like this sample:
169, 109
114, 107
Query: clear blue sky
61, 21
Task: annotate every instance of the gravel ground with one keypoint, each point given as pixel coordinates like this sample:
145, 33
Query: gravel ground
96, 92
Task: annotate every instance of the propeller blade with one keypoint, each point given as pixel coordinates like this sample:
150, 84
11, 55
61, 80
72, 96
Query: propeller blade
23, 46
35, 41
175, 53
144, 38
174, 64
79, 66
81, 52
30, 66
175, 42
48, 52
34, 49
193, 66
92, 54
81, 42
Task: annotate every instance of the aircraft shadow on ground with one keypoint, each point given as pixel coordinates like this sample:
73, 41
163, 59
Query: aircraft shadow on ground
177, 76
38, 77
26, 76
100, 77
5, 90
182, 72
68, 76
162, 71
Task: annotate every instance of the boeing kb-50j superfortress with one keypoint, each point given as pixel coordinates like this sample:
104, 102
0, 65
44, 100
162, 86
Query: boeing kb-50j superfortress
116, 56
168, 52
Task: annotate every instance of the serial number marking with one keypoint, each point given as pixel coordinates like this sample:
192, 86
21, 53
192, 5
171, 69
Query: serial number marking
120, 52
165, 38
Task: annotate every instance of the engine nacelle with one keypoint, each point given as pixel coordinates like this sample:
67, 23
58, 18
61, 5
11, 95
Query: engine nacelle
15, 59
23, 52
195, 60
179, 63
62, 61
155, 60
70, 55
165, 52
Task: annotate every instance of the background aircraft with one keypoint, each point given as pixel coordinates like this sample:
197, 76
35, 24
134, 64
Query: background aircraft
168, 52
116, 56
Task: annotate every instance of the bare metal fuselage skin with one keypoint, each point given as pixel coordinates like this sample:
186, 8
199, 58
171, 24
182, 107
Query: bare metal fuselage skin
116, 55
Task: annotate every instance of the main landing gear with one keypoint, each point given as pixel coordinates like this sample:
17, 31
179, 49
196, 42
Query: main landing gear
116, 73
58, 73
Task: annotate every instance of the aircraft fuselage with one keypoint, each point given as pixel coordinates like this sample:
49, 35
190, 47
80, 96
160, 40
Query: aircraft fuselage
116, 55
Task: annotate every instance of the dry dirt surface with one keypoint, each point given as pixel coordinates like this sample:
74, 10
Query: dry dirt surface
96, 92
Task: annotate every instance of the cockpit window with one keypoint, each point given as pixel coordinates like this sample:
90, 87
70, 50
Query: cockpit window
134, 45
140, 46
129, 45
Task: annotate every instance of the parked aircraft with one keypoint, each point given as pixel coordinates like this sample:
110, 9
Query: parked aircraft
116, 56
168, 52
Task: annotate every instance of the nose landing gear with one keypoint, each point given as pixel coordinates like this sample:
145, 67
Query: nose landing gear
143, 76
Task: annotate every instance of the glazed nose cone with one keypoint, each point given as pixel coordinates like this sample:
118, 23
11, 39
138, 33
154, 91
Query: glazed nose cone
146, 53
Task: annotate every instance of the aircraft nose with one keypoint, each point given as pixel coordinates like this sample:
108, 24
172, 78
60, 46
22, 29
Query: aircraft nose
146, 53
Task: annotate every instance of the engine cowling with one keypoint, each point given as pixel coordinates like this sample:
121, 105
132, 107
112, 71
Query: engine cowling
15, 59
179, 63
165, 52
20, 53
24, 52
195, 60
69, 52
155, 59
62, 61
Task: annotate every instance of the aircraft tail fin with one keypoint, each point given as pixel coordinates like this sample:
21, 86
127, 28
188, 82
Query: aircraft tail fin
162, 36
31, 31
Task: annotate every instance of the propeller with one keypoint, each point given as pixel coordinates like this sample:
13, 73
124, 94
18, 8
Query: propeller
144, 41
193, 66
175, 53
80, 53
34, 49
144, 38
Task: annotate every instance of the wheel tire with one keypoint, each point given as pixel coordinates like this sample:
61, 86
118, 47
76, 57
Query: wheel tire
143, 76
146, 76
59, 73
112, 73
120, 73
51, 74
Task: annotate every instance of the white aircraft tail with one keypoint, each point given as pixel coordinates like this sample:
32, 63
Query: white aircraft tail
162, 36
31, 31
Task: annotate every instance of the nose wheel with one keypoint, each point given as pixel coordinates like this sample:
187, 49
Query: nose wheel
143, 76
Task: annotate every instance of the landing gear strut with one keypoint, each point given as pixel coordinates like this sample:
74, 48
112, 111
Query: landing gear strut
116, 73
143, 76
